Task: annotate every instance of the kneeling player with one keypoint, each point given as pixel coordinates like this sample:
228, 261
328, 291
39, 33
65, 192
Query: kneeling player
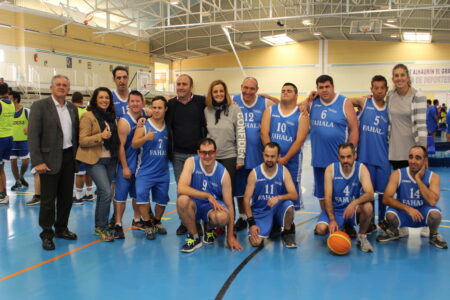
204, 191
271, 191
344, 203
417, 191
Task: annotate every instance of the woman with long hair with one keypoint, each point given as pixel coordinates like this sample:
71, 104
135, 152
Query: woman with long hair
225, 125
407, 109
98, 149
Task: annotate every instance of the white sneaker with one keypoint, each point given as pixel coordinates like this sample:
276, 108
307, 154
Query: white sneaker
364, 244
425, 232
4, 200
403, 232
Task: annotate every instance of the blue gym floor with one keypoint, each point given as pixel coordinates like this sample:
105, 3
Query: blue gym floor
138, 268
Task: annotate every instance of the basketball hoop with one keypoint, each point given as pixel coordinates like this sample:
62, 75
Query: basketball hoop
365, 27
88, 18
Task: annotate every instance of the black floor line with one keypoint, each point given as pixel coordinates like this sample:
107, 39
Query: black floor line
236, 271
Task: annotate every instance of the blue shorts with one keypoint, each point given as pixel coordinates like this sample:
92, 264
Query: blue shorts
264, 220
240, 182
339, 216
203, 207
298, 204
319, 186
405, 220
124, 187
20, 150
5, 148
159, 189
81, 169
379, 177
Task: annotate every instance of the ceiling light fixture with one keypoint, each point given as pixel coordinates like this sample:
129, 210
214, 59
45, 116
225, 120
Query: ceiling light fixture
391, 20
394, 35
174, 2
317, 33
277, 40
307, 22
416, 37
248, 43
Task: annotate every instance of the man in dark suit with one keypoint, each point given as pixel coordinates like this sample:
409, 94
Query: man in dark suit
53, 140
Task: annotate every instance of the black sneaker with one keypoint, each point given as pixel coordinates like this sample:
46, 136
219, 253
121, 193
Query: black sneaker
24, 182
387, 236
118, 232
181, 230
350, 230
137, 225
210, 235
16, 186
438, 241
88, 198
288, 239
36, 200
76, 201
372, 228
191, 244
240, 224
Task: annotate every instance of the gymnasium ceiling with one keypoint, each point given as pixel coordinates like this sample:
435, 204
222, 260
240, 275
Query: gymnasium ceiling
192, 28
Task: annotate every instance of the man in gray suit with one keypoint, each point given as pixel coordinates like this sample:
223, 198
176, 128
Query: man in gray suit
53, 140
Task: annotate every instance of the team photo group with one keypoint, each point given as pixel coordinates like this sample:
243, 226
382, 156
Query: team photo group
237, 161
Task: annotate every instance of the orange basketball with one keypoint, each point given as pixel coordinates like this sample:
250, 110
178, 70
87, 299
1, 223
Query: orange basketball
339, 243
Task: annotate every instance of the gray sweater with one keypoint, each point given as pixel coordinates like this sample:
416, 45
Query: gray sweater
228, 133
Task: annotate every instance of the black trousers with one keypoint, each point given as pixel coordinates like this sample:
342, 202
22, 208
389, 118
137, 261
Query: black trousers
57, 189
398, 164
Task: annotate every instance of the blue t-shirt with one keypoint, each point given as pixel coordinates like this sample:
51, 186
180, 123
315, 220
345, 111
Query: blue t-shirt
252, 120
210, 183
283, 130
345, 188
130, 153
153, 162
373, 135
329, 129
408, 191
120, 106
267, 187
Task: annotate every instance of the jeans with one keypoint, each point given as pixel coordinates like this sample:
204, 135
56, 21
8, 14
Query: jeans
178, 163
103, 173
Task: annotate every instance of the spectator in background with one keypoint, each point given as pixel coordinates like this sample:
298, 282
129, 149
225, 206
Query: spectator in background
6, 137
432, 119
20, 142
81, 177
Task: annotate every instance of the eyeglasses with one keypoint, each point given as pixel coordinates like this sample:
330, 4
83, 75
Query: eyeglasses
205, 153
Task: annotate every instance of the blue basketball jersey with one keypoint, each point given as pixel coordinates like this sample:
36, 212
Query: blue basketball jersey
252, 120
267, 187
373, 135
120, 105
328, 130
408, 192
153, 162
283, 130
130, 153
210, 183
345, 189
